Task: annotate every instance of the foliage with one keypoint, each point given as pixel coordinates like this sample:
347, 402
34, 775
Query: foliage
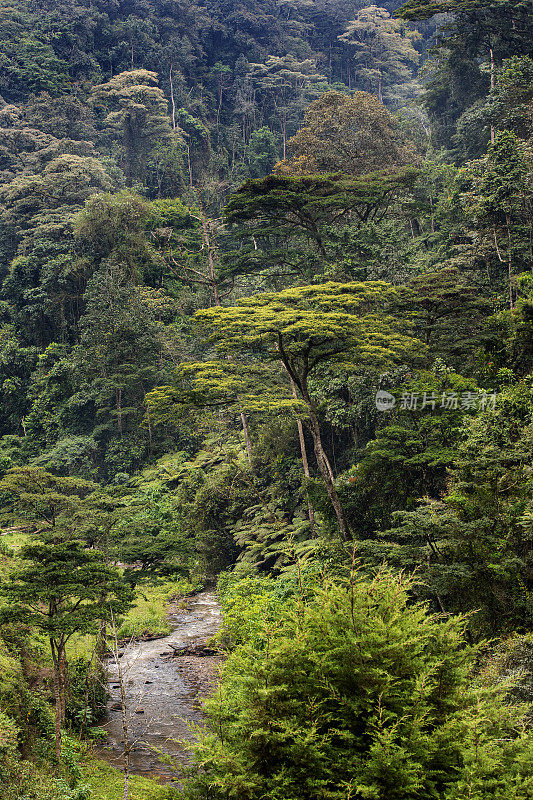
303, 224
500, 200
137, 109
189, 365
475, 40
352, 135
342, 330
62, 586
409, 456
148, 615
357, 690
471, 549
383, 48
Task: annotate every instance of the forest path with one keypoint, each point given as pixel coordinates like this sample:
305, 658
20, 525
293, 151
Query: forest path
163, 692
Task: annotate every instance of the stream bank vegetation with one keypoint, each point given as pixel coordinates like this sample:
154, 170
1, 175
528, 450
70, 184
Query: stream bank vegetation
349, 686
266, 320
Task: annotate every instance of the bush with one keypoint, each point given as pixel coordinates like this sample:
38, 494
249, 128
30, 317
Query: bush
87, 686
358, 694
251, 603
149, 612
8, 744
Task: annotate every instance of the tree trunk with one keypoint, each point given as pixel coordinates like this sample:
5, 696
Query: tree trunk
189, 165
172, 99
322, 461
326, 473
87, 691
305, 463
126, 783
211, 252
247, 439
149, 424
509, 259
220, 91
57, 697
118, 399
492, 131
63, 683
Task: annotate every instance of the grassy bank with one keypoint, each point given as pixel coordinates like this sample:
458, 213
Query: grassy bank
147, 616
107, 783
149, 613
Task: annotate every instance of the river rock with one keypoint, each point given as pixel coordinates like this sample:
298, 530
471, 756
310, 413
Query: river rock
199, 649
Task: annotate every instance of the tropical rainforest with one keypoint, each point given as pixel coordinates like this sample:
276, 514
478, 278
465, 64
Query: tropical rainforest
266, 325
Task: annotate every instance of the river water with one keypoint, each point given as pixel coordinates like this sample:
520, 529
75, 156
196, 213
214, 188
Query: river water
163, 693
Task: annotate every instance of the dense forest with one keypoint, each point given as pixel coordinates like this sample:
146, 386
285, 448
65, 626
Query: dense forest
266, 328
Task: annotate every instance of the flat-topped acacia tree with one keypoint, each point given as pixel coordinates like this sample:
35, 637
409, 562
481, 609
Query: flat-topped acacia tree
293, 222
347, 325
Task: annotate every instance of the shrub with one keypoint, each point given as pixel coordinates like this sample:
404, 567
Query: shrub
357, 694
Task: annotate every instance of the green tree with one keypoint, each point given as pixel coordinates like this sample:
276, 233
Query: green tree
449, 315
289, 84
471, 44
472, 548
197, 143
43, 286
357, 693
500, 202
70, 119
62, 587
111, 230
16, 364
137, 110
511, 333
30, 66
352, 135
187, 241
65, 183
303, 224
262, 152
408, 456
119, 353
383, 48
511, 100
151, 532
305, 328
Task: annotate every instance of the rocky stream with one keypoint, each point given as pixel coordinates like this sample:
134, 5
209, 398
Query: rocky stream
164, 680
